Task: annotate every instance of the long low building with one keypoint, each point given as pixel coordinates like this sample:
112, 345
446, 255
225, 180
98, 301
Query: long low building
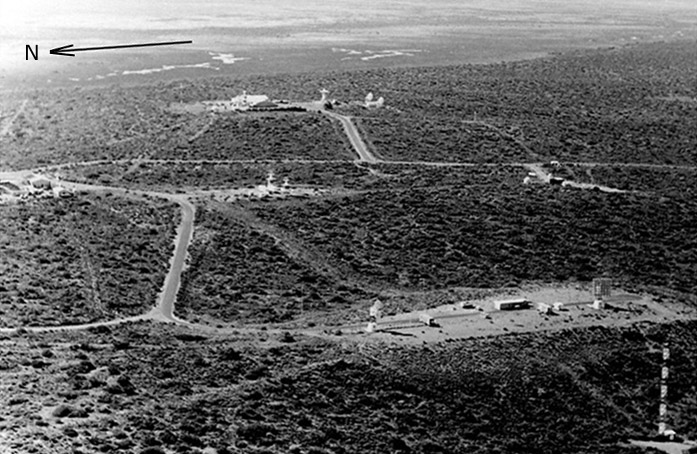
511, 305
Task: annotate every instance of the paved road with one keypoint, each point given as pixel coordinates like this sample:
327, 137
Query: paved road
354, 137
164, 310
168, 295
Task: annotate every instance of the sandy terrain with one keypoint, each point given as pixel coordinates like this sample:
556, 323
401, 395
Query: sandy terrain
483, 320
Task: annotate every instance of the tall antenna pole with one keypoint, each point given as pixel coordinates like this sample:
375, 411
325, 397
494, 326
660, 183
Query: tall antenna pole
663, 408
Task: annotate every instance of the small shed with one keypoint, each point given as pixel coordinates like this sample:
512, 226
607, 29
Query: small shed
427, 320
598, 304
62, 192
40, 182
544, 309
512, 305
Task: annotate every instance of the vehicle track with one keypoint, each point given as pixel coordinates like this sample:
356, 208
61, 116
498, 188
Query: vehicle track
6, 129
504, 134
55, 167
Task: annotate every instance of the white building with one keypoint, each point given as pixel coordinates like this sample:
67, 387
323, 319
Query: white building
369, 102
40, 182
245, 101
512, 305
240, 102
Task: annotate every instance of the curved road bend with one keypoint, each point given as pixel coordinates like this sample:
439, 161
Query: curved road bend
164, 310
354, 137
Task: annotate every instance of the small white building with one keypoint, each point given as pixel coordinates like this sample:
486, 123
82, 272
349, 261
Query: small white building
40, 182
62, 192
544, 309
598, 304
369, 102
427, 320
466, 305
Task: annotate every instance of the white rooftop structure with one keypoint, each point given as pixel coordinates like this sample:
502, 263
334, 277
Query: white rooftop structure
245, 101
369, 102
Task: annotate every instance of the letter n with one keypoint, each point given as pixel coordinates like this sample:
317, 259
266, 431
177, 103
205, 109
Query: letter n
34, 53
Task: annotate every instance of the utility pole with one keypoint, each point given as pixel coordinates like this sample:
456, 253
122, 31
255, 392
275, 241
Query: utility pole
663, 408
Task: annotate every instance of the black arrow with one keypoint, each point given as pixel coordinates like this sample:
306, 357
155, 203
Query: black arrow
65, 49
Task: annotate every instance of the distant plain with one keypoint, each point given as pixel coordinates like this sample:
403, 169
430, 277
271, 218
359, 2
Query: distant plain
262, 37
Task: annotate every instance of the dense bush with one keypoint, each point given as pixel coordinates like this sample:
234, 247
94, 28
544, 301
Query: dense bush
248, 136
78, 260
248, 272
181, 176
495, 234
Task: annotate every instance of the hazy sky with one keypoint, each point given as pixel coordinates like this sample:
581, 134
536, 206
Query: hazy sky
18, 17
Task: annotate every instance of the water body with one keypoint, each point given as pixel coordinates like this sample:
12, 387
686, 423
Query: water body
265, 36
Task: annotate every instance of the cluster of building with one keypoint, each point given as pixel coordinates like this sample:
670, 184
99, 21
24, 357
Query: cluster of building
262, 103
370, 102
246, 102
37, 186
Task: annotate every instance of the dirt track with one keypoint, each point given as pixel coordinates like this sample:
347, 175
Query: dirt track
8, 125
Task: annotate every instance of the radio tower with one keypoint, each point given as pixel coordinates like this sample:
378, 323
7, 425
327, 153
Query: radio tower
663, 408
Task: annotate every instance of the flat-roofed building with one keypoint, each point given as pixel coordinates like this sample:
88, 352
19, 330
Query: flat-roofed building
512, 305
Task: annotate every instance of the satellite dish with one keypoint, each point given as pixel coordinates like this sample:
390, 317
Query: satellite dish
375, 309
369, 97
